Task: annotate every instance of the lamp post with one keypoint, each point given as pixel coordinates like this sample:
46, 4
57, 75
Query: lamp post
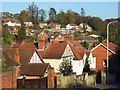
108, 48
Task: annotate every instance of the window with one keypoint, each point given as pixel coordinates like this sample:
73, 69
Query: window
104, 63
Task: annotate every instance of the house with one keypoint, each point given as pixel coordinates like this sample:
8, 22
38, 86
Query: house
59, 38
7, 60
28, 23
54, 25
34, 71
88, 39
9, 69
71, 26
92, 59
12, 23
24, 54
63, 31
31, 66
42, 36
43, 24
57, 52
86, 27
100, 54
29, 32
40, 45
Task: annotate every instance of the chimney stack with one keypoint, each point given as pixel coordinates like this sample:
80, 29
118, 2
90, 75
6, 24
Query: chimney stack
17, 55
41, 45
51, 78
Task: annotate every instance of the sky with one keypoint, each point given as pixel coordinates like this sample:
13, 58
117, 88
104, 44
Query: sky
103, 10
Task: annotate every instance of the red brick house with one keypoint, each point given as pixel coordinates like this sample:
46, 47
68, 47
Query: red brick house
30, 64
100, 52
42, 36
9, 71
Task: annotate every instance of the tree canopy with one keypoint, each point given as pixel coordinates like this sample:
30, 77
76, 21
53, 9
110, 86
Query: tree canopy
21, 33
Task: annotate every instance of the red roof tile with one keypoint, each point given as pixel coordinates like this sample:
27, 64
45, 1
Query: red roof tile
28, 45
111, 45
8, 60
54, 51
76, 53
25, 54
59, 38
43, 34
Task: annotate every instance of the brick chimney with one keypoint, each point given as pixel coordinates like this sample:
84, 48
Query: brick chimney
41, 45
51, 78
17, 55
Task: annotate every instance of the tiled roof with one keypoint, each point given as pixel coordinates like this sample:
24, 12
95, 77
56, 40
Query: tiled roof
34, 69
59, 38
85, 38
43, 34
54, 51
28, 45
112, 46
77, 44
25, 54
8, 60
13, 21
76, 52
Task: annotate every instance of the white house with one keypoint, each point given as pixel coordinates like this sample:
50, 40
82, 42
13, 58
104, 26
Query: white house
63, 31
28, 23
71, 26
57, 52
12, 23
92, 60
43, 24
86, 26
68, 27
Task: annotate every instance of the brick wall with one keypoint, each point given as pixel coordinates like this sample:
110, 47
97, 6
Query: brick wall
101, 54
51, 77
9, 78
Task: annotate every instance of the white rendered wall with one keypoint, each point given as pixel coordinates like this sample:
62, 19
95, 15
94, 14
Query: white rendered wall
35, 58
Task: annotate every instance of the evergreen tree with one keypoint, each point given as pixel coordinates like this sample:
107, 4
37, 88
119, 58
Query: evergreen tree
21, 33
65, 67
87, 66
52, 14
